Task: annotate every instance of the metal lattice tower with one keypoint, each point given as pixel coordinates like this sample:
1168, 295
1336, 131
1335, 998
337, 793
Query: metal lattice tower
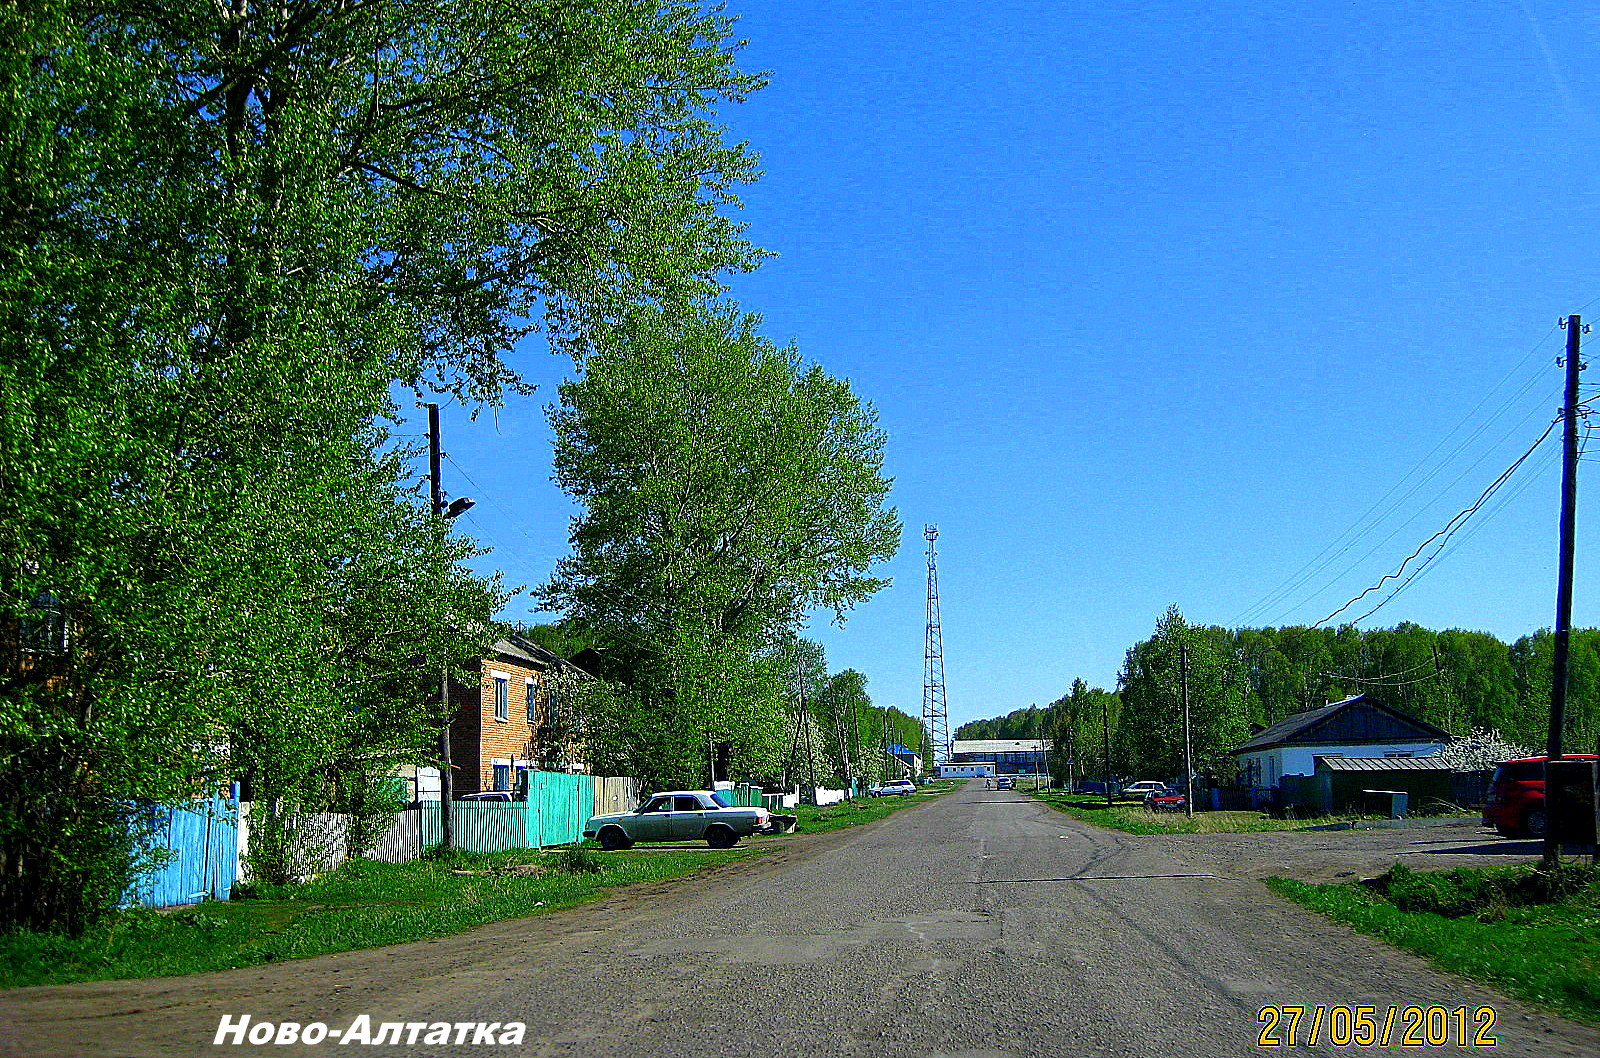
935, 716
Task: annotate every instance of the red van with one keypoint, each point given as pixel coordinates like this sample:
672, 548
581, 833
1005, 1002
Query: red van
1516, 797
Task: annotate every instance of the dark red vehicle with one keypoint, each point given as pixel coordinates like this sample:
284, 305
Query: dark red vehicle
1516, 797
1168, 799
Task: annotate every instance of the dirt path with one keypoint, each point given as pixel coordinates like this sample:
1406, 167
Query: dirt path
980, 924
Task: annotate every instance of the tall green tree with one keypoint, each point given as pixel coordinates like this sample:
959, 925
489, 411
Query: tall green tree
728, 489
225, 233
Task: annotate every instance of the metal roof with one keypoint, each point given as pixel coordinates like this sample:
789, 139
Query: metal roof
1296, 724
1000, 745
1382, 763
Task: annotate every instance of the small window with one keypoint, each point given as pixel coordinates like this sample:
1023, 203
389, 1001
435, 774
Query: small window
533, 708
502, 698
46, 632
688, 804
660, 804
502, 776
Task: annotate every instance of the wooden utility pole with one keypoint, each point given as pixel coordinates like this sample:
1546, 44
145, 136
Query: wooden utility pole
1105, 721
447, 833
1188, 753
1559, 662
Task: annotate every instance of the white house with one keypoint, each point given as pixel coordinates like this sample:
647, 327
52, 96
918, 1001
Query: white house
1356, 727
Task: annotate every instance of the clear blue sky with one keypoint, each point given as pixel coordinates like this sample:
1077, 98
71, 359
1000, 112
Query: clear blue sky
1156, 301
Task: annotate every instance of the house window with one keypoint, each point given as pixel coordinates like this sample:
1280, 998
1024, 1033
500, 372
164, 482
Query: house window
502, 701
502, 776
533, 709
46, 632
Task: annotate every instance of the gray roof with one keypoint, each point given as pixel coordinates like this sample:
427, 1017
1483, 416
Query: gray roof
1382, 763
1292, 727
531, 653
999, 745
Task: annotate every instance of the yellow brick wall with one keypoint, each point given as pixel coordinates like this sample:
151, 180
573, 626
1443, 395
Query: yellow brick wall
477, 738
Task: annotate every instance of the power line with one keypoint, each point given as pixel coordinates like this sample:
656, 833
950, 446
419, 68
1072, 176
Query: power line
1365, 525
1448, 531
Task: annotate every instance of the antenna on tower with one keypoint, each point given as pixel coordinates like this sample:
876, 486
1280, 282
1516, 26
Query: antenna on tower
935, 715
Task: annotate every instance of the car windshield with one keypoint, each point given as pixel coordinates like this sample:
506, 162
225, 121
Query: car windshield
717, 797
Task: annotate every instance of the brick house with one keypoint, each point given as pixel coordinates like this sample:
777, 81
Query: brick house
515, 720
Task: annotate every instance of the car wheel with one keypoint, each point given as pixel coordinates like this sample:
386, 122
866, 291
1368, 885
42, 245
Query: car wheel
1536, 823
721, 837
614, 838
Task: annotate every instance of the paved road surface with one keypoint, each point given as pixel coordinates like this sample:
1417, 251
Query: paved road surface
979, 925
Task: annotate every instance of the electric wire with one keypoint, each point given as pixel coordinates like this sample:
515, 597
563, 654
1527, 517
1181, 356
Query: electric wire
1402, 526
1365, 524
1448, 531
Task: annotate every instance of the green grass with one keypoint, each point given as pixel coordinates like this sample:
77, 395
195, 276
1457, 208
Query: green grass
814, 820
362, 904
1502, 926
1137, 819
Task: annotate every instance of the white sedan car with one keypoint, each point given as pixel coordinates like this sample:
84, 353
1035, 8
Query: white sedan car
893, 787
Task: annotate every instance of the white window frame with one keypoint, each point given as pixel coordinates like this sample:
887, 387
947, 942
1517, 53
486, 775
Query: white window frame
502, 695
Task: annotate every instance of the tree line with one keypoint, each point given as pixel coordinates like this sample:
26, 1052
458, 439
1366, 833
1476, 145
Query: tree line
229, 236
1242, 679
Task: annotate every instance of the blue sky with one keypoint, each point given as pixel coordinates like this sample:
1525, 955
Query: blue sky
1157, 301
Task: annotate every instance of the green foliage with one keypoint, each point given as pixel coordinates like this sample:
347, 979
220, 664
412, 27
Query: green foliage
224, 237
1150, 727
1467, 891
1542, 951
1493, 696
579, 860
728, 490
362, 904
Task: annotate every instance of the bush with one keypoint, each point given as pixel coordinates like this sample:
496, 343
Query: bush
579, 860
1463, 891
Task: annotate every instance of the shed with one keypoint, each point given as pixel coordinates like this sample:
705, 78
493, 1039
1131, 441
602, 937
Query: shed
1337, 782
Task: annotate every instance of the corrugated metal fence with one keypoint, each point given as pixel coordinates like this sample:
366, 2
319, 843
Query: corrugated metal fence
205, 842
558, 804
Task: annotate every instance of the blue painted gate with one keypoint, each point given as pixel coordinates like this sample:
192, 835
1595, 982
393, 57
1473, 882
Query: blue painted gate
200, 841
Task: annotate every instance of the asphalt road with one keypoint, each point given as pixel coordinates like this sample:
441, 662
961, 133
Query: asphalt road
979, 925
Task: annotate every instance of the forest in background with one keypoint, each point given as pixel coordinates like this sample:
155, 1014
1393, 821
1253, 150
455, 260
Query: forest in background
1458, 680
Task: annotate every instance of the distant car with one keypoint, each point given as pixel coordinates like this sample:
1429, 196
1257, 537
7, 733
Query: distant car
1005, 782
1515, 807
679, 815
488, 795
1137, 791
1167, 799
892, 788
1086, 786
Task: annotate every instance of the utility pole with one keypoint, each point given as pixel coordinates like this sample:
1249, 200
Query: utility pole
1188, 752
1569, 506
447, 833
1105, 721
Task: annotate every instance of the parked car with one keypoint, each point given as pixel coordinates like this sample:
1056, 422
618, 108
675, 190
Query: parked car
892, 788
1515, 806
1086, 786
1137, 791
679, 815
1005, 782
1166, 799
488, 795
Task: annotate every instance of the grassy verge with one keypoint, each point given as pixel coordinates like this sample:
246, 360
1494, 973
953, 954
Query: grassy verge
1528, 934
1137, 819
814, 820
362, 904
